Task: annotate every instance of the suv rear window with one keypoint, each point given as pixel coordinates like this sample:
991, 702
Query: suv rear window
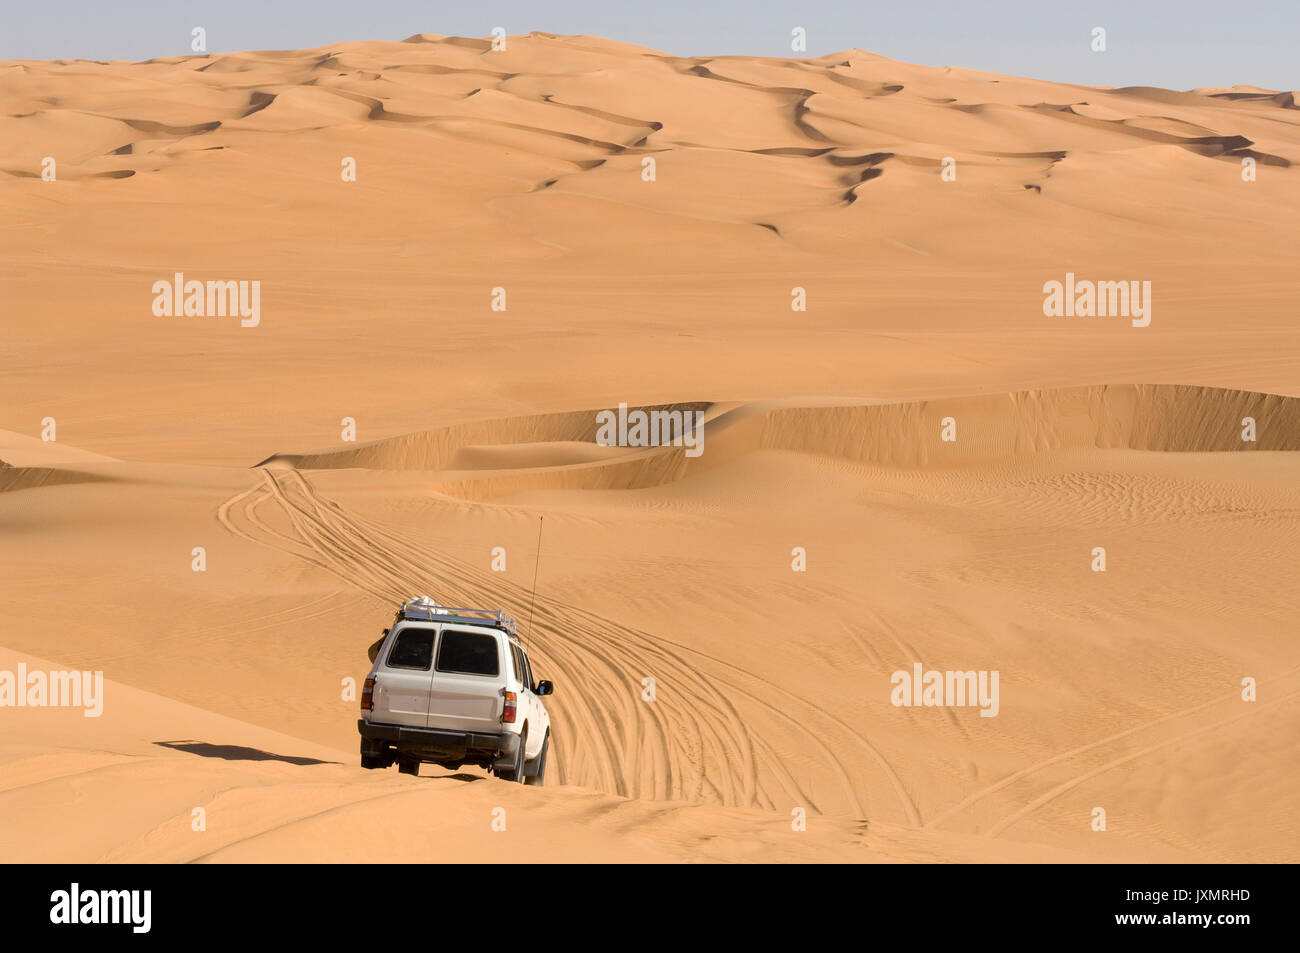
413, 649
467, 653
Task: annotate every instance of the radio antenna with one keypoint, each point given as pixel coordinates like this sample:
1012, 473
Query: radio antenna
532, 599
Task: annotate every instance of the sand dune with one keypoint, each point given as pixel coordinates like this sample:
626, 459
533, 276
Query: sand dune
22, 478
31, 462
523, 170
267, 797
560, 450
203, 532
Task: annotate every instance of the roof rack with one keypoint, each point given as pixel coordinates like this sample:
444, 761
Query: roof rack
424, 609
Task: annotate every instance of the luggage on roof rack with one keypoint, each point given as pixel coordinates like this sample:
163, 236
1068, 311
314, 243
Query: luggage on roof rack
425, 609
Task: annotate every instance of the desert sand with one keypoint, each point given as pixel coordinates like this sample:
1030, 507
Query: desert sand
484, 176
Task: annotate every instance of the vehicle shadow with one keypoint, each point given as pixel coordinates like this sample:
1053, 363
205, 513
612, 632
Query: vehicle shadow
235, 752
458, 776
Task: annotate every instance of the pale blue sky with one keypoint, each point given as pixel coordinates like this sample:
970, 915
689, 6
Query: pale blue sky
1174, 43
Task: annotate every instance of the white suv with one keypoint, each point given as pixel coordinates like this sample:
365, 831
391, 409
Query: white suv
454, 687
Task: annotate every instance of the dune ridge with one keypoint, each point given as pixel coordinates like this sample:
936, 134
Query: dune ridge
425, 81
476, 460
27, 462
24, 478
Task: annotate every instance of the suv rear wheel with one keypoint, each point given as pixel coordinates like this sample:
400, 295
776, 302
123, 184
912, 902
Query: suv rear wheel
535, 773
516, 771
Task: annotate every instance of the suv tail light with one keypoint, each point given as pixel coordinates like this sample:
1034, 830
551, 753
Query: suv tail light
508, 713
368, 694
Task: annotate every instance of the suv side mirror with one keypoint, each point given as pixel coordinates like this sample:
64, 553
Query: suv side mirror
373, 651
545, 688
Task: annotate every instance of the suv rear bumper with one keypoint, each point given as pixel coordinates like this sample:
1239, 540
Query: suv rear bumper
443, 746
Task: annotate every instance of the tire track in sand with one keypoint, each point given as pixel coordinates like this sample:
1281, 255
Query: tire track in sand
1104, 749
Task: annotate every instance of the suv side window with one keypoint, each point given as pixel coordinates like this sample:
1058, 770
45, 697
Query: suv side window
413, 648
468, 653
523, 670
527, 676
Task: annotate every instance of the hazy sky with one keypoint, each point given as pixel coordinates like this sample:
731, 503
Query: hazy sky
1173, 43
